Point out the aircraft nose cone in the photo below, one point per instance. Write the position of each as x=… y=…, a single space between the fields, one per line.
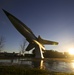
x=6 y=12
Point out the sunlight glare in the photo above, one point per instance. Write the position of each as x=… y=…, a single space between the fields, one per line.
x=71 y=51
x=73 y=65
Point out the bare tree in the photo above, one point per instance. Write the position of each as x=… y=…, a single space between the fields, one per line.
x=23 y=46
x=2 y=41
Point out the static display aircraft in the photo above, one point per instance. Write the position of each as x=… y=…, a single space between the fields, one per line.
x=34 y=42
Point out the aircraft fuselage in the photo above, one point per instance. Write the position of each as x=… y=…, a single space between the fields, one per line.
x=22 y=28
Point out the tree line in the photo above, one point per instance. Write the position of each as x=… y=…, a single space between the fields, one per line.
x=53 y=54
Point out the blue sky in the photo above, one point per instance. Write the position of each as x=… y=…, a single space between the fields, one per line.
x=51 y=19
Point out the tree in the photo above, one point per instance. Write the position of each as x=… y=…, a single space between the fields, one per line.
x=22 y=46
x=2 y=41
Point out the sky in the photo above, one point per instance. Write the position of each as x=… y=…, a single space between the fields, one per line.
x=51 y=19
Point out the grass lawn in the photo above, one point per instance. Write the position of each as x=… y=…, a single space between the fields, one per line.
x=22 y=70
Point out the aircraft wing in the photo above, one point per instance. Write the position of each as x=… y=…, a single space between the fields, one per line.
x=29 y=47
x=50 y=42
x=46 y=42
x=33 y=45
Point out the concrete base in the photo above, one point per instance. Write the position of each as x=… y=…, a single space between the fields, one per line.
x=38 y=52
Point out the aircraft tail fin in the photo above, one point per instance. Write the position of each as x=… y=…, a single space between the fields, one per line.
x=46 y=42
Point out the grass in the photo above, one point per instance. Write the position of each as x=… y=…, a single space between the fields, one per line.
x=22 y=70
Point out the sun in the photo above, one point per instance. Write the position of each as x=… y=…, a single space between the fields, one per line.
x=71 y=51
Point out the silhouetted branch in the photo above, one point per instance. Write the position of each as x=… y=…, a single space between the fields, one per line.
x=2 y=41
x=23 y=45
